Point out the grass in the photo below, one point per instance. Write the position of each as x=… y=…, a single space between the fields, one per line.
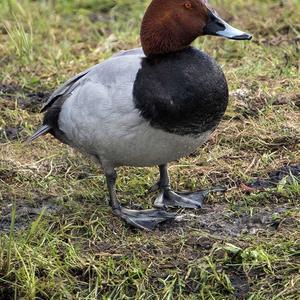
x=59 y=239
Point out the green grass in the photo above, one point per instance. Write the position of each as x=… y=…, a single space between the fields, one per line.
x=58 y=237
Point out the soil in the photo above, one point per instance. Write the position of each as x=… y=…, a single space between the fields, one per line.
x=240 y=283
x=25 y=213
x=217 y=219
x=220 y=221
x=276 y=176
x=216 y=222
x=10 y=133
x=26 y=99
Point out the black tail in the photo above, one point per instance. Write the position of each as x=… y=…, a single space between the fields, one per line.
x=41 y=131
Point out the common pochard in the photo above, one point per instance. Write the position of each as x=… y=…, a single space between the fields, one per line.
x=147 y=106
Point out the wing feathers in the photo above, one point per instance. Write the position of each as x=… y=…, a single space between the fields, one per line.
x=41 y=131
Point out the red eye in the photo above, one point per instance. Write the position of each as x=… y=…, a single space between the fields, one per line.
x=188 y=5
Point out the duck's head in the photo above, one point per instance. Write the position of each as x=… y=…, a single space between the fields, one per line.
x=172 y=25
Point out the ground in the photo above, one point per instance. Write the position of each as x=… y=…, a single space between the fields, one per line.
x=58 y=237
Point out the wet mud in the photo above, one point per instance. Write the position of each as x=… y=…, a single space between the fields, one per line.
x=275 y=177
x=215 y=222
x=219 y=219
x=26 y=99
x=25 y=213
x=10 y=133
x=222 y=220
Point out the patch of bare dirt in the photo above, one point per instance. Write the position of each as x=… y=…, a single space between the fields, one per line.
x=240 y=282
x=10 y=133
x=284 y=99
x=275 y=177
x=6 y=291
x=25 y=98
x=7 y=175
x=248 y=102
x=223 y=222
x=25 y=213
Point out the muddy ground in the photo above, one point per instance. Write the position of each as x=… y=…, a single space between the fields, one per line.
x=220 y=220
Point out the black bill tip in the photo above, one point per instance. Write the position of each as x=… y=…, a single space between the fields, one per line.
x=217 y=26
x=245 y=36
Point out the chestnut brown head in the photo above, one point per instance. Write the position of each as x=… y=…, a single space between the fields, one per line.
x=172 y=25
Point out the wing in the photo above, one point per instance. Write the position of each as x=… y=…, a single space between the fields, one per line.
x=53 y=106
x=70 y=85
x=66 y=88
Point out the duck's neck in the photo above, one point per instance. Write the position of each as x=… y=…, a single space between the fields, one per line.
x=159 y=39
x=161 y=33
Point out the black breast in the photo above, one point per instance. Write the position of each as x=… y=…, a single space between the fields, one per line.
x=184 y=92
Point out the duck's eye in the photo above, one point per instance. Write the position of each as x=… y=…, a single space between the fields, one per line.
x=188 y=5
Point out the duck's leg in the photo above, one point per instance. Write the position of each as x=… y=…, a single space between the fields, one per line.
x=168 y=198
x=144 y=219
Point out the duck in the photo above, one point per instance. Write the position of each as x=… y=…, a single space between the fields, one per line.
x=147 y=106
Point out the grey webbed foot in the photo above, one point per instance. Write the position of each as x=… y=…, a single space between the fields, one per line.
x=169 y=199
x=144 y=219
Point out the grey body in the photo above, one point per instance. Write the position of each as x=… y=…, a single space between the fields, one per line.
x=99 y=118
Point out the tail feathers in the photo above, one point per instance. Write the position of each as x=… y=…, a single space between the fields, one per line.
x=41 y=131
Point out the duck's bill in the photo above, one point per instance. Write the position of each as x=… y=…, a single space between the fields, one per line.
x=217 y=26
